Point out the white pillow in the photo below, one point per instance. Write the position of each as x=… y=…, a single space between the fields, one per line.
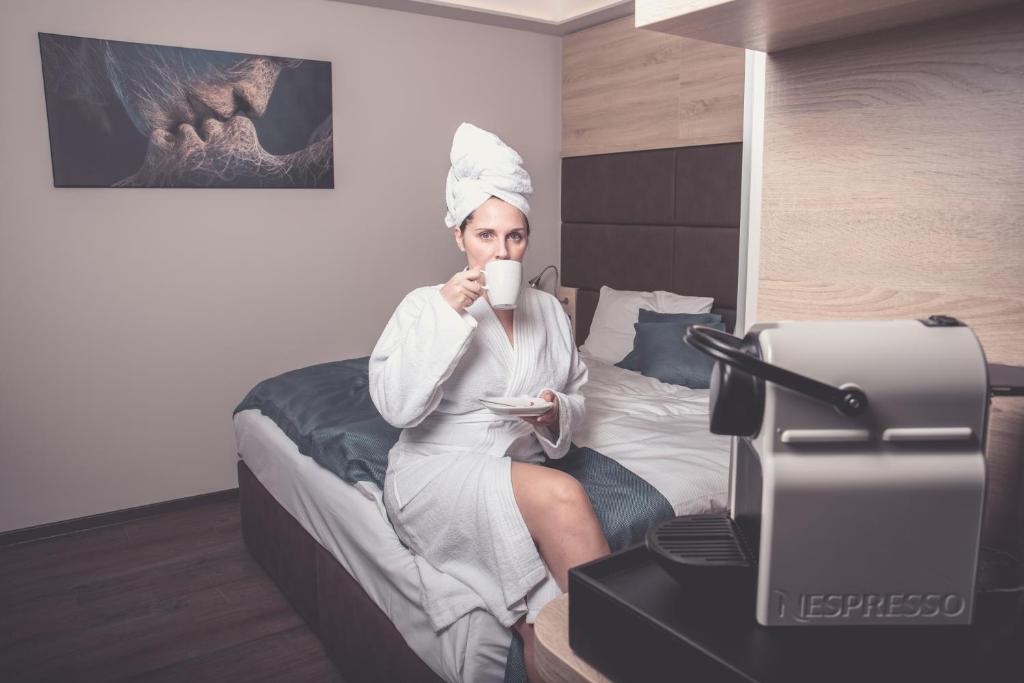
x=611 y=332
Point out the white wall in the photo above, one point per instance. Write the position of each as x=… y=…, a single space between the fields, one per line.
x=133 y=321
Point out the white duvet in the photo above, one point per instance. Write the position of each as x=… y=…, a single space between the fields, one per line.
x=658 y=431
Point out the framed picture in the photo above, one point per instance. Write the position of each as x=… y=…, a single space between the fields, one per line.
x=137 y=115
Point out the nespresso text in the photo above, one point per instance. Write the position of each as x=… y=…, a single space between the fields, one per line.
x=880 y=606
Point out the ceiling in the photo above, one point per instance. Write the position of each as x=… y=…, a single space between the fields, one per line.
x=553 y=17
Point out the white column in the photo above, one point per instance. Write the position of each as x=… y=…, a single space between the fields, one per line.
x=750 y=198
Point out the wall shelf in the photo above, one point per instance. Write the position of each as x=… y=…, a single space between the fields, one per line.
x=773 y=25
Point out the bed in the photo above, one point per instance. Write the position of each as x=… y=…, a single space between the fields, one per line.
x=327 y=543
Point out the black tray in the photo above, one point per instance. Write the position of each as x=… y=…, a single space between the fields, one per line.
x=633 y=622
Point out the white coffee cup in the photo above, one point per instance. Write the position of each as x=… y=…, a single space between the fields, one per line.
x=502 y=280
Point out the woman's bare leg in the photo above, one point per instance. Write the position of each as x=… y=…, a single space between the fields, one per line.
x=560 y=518
x=526 y=633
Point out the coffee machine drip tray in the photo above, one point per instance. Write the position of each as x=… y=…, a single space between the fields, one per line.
x=691 y=546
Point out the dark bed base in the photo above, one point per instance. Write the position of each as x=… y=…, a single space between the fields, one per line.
x=359 y=638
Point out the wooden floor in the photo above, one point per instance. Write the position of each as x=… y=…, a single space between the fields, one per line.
x=172 y=597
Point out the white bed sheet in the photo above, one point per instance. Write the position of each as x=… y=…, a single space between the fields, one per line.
x=658 y=431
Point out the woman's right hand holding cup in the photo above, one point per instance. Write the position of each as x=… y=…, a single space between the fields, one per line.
x=463 y=289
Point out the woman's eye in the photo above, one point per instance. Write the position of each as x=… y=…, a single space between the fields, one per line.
x=485 y=235
x=516 y=236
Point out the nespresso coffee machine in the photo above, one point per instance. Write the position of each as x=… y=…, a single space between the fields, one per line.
x=857 y=483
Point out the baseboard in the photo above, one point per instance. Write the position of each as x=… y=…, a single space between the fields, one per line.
x=72 y=526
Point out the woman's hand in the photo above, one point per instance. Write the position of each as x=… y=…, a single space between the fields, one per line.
x=463 y=289
x=548 y=419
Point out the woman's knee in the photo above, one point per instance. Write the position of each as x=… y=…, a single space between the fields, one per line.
x=566 y=491
x=545 y=495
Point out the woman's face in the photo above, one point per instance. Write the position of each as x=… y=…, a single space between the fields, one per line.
x=496 y=231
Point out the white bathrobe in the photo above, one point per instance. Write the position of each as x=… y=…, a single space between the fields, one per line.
x=448 y=489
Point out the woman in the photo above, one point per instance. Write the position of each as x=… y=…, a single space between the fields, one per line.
x=489 y=527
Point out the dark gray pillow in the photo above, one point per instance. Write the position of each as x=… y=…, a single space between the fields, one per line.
x=689 y=318
x=665 y=356
x=632 y=359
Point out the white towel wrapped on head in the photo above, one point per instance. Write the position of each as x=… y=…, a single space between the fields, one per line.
x=483 y=167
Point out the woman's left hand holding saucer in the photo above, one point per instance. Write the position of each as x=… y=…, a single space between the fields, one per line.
x=548 y=419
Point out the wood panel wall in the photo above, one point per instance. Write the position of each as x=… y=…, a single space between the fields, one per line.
x=894 y=188
x=626 y=89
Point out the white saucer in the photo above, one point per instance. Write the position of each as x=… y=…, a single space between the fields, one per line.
x=519 y=406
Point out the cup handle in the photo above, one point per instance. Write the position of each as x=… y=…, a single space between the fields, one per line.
x=483 y=285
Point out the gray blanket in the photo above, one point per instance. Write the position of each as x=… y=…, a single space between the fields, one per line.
x=326 y=410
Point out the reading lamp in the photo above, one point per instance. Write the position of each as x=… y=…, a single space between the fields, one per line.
x=535 y=280
x=564 y=300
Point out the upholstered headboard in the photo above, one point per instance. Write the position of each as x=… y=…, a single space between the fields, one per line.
x=665 y=219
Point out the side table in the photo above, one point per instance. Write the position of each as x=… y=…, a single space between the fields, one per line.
x=555 y=660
